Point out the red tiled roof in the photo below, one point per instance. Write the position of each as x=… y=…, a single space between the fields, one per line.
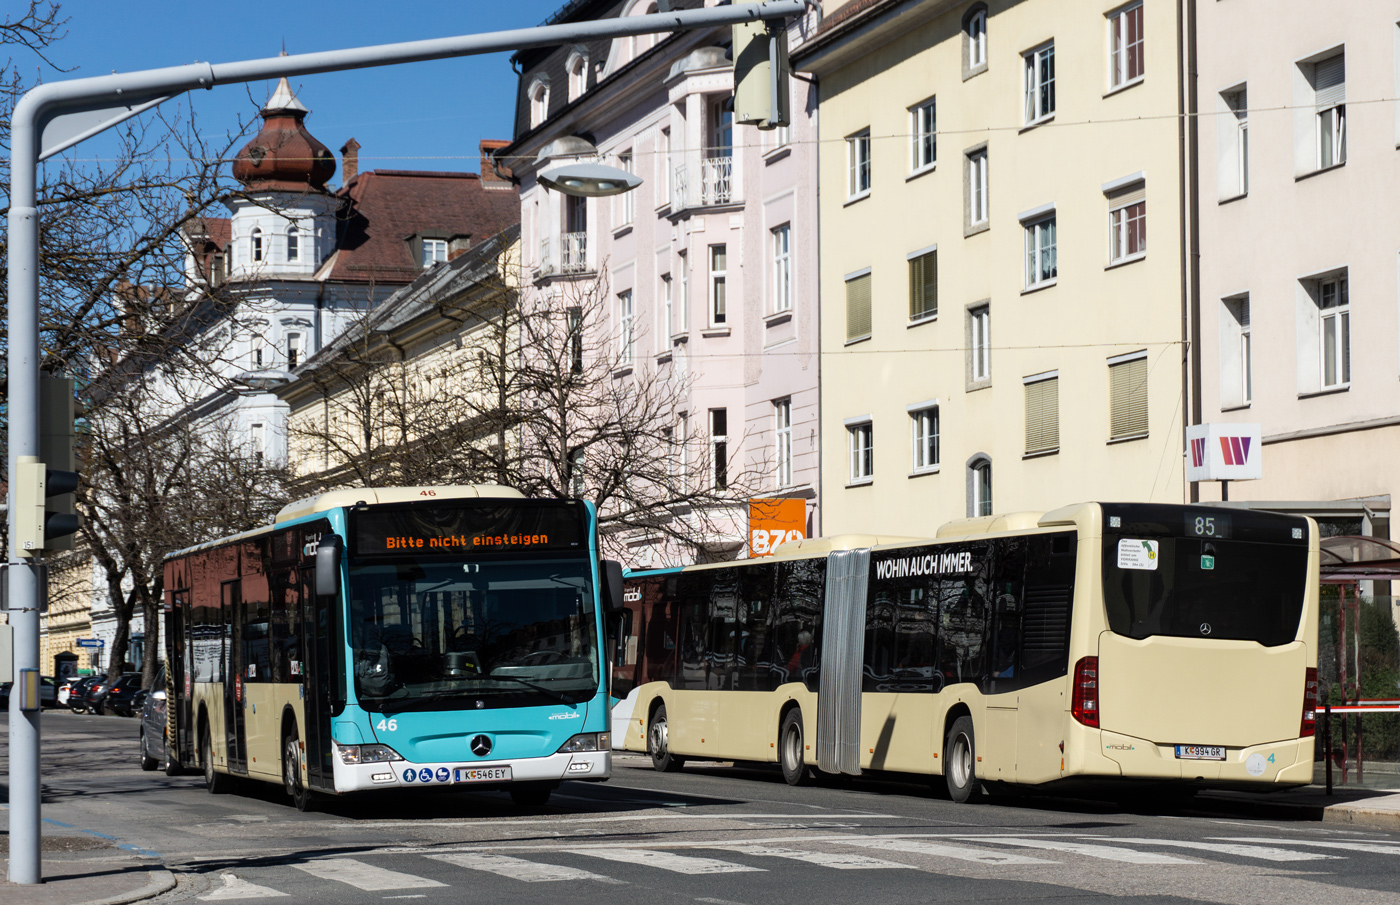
x=387 y=207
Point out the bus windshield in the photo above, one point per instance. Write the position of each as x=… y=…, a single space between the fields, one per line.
x=1198 y=588
x=431 y=634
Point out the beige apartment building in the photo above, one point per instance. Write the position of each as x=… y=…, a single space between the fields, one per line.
x=1001 y=329
x=1300 y=238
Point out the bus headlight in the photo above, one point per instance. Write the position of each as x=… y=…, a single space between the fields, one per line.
x=367 y=754
x=587 y=741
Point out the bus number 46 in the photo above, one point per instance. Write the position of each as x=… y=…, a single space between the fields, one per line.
x=765 y=541
x=387 y=725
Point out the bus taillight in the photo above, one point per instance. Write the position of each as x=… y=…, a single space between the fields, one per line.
x=1309 y=727
x=1085 y=705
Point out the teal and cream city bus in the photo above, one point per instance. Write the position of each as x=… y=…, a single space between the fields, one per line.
x=1158 y=647
x=395 y=638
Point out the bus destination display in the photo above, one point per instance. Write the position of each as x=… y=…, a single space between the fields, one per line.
x=416 y=530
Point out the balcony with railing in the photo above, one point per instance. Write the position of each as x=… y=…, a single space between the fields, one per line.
x=574 y=258
x=716 y=183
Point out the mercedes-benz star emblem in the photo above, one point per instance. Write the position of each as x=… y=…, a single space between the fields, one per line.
x=481 y=746
x=1205 y=628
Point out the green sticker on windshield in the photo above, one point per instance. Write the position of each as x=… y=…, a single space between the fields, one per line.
x=1207 y=562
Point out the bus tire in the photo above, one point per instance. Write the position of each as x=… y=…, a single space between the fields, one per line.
x=531 y=794
x=301 y=796
x=148 y=763
x=960 y=760
x=791 y=747
x=662 y=760
x=217 y=783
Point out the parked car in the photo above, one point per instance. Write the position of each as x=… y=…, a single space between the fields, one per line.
x=99 y=693
x=152 y=730
x=118 y=699
x=138 y=701
x=77 y=692
x=48 y=693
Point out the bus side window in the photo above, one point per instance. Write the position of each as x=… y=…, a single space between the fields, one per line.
x=797 y=605
x=755 y=654
x=962 y=630
x=694 y=593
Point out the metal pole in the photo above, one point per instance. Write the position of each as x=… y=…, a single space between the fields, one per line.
x=44 y=104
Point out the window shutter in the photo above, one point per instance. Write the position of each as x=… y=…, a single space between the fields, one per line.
x=858 y=307
x=1329 y=80
x=1130 y=195
x=1127 y=402
x=1043 y=415
x=923 y=286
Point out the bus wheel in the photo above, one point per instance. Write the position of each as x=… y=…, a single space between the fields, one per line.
x=662 y=759
x=959 y=758
x=217 y=783
x=532 y=794
x=790 y=748
x=148 y=763
x=291 y=773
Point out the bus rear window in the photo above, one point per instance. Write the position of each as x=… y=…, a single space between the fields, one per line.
x=1199 y=588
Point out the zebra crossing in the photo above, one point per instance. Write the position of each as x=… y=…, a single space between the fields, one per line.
x=1011 y=855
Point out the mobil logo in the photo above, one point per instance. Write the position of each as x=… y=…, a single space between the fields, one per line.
x=1235 y=449
x=1223 y=452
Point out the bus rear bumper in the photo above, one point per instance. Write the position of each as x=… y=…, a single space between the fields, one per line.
x=1283 y=763
x=590 y=766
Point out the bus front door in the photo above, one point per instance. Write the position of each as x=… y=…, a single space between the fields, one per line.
x=179 y=722
x=235 y=674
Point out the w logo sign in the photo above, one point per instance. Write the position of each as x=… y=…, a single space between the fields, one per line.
x=1198 y=452
x=1234 y=449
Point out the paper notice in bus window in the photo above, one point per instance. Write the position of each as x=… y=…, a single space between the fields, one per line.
x=1137 y=554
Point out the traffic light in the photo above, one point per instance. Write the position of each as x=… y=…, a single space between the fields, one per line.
x=35 y=527
x=761 y=70
x=56 y=449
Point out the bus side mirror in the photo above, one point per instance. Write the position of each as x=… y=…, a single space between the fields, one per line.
x=612 y=585
x=328 y=566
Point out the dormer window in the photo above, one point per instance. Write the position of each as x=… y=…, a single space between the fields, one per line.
x=434 y=252
x=539 y=101
x=293 y=243
x=578 y=74
x=257 y=244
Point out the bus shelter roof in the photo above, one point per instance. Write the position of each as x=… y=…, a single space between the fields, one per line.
x=1350 y=558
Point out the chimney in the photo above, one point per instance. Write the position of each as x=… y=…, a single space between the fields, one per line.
x=350 y=152
x=493 y=176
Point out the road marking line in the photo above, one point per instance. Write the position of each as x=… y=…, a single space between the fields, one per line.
x=519 y=868
x=681 y=864
x=942 y=850
x=1358 y=846
x=237 y=888
x=1263 y=852
x=569 y=818
x=1089 y=850
x=364 y=876
x=838 y=860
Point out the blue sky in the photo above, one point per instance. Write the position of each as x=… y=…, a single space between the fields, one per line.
x=425 y=116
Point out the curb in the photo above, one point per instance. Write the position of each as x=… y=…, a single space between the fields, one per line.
x=1355 y=815
x=161 y=881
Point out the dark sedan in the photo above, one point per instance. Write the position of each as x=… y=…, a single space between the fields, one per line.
x=120 y=697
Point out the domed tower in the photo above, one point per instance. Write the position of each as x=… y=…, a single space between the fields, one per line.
x=284 y=227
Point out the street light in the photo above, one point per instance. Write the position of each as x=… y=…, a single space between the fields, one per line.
x=580 y=179
x=264 y=380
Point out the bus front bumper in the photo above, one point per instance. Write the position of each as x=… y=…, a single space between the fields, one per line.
x=589 y=766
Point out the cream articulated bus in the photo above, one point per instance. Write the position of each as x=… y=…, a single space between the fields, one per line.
x=1171 y=647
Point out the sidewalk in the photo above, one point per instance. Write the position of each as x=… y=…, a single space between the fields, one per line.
x=1375 y=802
x=82 y=870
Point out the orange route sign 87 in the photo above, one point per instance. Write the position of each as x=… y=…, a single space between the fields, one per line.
x=773 y=522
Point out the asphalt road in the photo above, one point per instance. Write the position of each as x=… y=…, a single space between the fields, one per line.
x=718 y=835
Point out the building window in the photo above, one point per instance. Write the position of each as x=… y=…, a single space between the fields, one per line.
x=1335 y=332
x=1125 y=59
x=782 y=268
x=1042 y=413
x=684 y=325
x=1236 y=353
x=683 y=441
x=259 y=438
x=293 y=243
x=979 y=486
x=1040 y=84
x=923 y=151
x=858 y=306
x=434 y=251
x=539 y=102
x=668 y=323
x=858 y=164
x=975 y=41
x=257 y=244
x=257 y=354
x=574 y=320
x=923 y=285
x=977 y=188
x=578 y=75
x=860 y=444
x=1041 y=264
x=980 y=342
x=576 y=463
x=294 y=350
x=719 y=312
x=627 y=201
x=1127 y=396
x=719 y=446
x=782 y=428
x=721 y=128
x=1330 y=96
x=1233 y=133
x=1127 y=222
x=625 y=327
x=663 y=162
x=923 y=422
